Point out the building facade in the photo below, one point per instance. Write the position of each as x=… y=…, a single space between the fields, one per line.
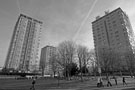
x=45 y=59
x=23 y=50
x=113 y=31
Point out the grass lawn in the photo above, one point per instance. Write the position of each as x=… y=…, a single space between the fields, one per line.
x=41 y=84
x=52 y=83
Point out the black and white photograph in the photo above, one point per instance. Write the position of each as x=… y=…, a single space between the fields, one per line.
x=67 y=44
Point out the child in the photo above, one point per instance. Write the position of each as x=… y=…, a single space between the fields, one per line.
x=124 y=82
x=115 y=80
x=100 y=83
x=33 y=84
x=108 y=82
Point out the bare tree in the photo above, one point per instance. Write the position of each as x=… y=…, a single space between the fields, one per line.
x=115 y=61
x=54 y=63
x=66 y=52
x=110 y=60
x=104 y=56
x=83 y=56
x=107 y=59
x=93 y=61
x=130 y=62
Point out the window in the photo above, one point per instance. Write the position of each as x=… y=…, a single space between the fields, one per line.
x=117 y=39
x=110 y=26
x=116 y=32
x=111 y=33
x=114 y=22
x=121 y=21
x=114 y=25
x=117 y=35
x=99 y=38
x=109 y=23
x=99 y=35
x=107 y=17
x=97 y=28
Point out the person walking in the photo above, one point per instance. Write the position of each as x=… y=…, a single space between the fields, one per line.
x=100 y=82
x=115 y=80
x=124 y=82
x=33 y=84
x=108 y=82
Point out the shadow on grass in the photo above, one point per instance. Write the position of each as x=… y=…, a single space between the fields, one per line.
x=13 y=89
x=129 y=89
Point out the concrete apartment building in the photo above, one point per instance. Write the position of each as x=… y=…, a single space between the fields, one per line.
x=113 y=31
x=46 y=53
x=23 y=50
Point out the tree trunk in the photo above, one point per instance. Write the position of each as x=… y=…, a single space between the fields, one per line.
x=120 y=73
x=81 y=75
x=106 y=75
x=67 y=74
x=54 y=73
x=42 y=71
x=131 y=74
x=58 y=78
x=95 y=74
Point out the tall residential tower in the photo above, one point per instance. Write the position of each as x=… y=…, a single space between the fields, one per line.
x=23 y=50
x=46 y=59
x=113 y=31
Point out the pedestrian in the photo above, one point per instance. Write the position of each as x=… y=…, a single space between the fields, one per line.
x=124 y=82
x=33 y=84
x=98 y=82
x=108 y=82
x=101 y=83
x=115 y=80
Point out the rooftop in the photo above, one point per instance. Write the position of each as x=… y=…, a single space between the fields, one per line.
x=31 y=18
x=107 y=14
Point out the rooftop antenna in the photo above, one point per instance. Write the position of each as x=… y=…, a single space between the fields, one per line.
x=106 y=12
x=19 y=8
x=18 y=5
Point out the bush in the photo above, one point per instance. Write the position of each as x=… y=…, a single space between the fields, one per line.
x=71 y=69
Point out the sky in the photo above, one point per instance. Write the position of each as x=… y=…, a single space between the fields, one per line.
x=62 y=19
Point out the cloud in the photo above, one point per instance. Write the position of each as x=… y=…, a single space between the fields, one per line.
x=62 y=19
x=85 y=19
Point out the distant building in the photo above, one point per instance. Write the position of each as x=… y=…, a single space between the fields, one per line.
x=1 y=69
x=114 y=32
x=45 y=60
x=23 y=50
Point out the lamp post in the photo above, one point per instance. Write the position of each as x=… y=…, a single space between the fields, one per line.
x=99 y=68
x=58 y=77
